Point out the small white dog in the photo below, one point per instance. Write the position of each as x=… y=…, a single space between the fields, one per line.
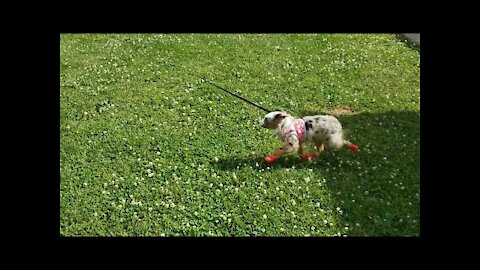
x=324 y=130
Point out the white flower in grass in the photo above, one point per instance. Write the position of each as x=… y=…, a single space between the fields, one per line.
x=264 y=216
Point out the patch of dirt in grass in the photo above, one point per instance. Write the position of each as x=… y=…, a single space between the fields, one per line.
x=340 y=110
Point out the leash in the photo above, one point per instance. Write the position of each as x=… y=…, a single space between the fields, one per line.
x=237 y=96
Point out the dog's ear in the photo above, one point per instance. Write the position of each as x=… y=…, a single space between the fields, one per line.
x=280 y=116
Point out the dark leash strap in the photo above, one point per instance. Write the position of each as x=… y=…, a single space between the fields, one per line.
x=236 y=95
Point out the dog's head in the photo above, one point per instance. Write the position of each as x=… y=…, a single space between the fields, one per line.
x=273 y=119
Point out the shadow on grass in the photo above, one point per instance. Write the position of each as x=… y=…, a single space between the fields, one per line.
x=378 y=189
x=286 y=161
x=409 y=43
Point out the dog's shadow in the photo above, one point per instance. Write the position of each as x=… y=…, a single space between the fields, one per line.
x=286 y=161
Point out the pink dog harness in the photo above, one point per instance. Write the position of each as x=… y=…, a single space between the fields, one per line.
x=298 y=130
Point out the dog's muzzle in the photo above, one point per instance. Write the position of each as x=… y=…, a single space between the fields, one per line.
x=261 y=123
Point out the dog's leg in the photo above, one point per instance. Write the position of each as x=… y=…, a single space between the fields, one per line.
x=320 y=148
x=276 y=155
x=290 y=146
x=311 y=156
x=301 y=150
x=280 y=152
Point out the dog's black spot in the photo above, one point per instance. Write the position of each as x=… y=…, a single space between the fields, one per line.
x=308 y=125
x=290 y=144
x=317 y=132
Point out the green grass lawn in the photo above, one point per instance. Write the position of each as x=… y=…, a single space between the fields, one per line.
x=148 y=149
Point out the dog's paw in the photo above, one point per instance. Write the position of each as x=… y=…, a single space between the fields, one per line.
x=270 y=159
x=353 y=148
x=309 y=156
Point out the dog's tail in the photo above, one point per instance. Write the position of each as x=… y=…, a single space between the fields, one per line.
x=351 y=146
